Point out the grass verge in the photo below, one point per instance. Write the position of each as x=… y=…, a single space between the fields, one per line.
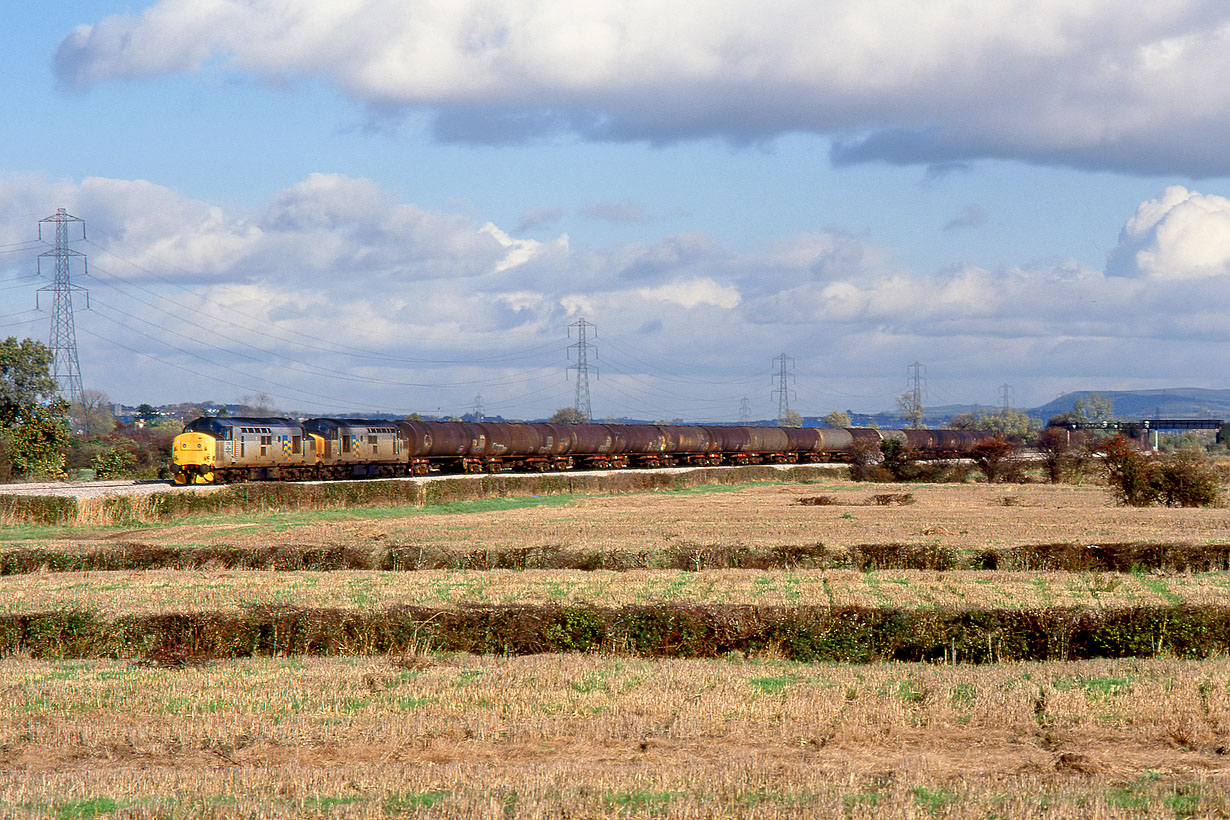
x=124 y=510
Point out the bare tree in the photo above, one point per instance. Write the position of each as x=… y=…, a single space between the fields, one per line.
x=92 y=418
x=260 y=404
x=911 y=409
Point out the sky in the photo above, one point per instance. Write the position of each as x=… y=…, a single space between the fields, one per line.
x=362 y=206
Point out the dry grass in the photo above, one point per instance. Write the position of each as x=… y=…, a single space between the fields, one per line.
x=555 y=736
x=160 y=592
x=602 y=736
x=959 y=517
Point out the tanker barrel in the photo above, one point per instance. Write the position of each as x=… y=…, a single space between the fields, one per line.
x=590 y=439
x=837 y=440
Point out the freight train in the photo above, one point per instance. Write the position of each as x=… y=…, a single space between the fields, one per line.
x=223 y=450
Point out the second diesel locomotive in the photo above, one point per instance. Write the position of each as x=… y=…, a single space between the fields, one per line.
x=228 y=449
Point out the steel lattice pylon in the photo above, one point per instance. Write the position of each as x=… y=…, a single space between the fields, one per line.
x=582 y=347
x=65 y=367
x=784 y=376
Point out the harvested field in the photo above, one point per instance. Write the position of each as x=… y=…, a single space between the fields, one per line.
x=755 y=526
x=405 y=659
x=162 y=592
x=603 y=736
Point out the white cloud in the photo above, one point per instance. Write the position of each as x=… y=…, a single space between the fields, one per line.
x=519 y=251
x=694 y=292
x=1179 y=235
x=337 y=290
x=1131 y=84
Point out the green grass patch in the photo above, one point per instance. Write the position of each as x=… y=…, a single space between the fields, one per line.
x=403 y=802
x=933 y=801
x=1097 y=688
x=306 y=518
x=88 y=807
x=324 y=803
x=773 y=685
x=640 y=801
x=963 y=695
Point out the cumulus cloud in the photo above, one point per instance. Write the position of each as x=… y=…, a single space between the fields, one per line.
x=1179 y=235
x=336 y=293
x=694 y=292
x=1134 y=85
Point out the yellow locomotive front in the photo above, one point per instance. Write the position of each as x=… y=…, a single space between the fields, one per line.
x=194 y=456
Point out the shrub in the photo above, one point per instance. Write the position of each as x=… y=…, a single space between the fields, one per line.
x=1185 y=478
x=34 y=444
x=1132 y=475
x=118 y=460
x=996 y=458
x=864 y=462
x=1054 y=444
x=899 y=459
x=870 y=472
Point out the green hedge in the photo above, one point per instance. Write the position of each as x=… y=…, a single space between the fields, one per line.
x=848 y=634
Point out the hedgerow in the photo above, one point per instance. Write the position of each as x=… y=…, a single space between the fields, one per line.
x=1065 y=557
x=847 y=634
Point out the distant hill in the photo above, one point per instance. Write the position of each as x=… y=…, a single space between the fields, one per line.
x=1176 y=402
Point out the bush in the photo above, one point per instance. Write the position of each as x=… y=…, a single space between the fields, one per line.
x=899 y=458
x=870 y=472
x=1130 y=473
x=996 y=458
x=118 y=460
x=1184 y=478
x=34 y=444
x=1065 y=456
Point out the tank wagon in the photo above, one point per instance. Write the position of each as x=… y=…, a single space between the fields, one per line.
x=224 y=450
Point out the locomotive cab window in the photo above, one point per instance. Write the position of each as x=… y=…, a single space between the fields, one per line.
x=296 y=444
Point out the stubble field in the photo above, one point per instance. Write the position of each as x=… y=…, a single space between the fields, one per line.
x=404 y=661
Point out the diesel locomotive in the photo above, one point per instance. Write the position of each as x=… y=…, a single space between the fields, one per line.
x=222 y=450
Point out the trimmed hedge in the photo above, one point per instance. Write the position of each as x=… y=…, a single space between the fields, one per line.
x=850 y=634
x=1065 y=557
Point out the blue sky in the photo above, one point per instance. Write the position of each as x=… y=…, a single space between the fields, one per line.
x=398 y=206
